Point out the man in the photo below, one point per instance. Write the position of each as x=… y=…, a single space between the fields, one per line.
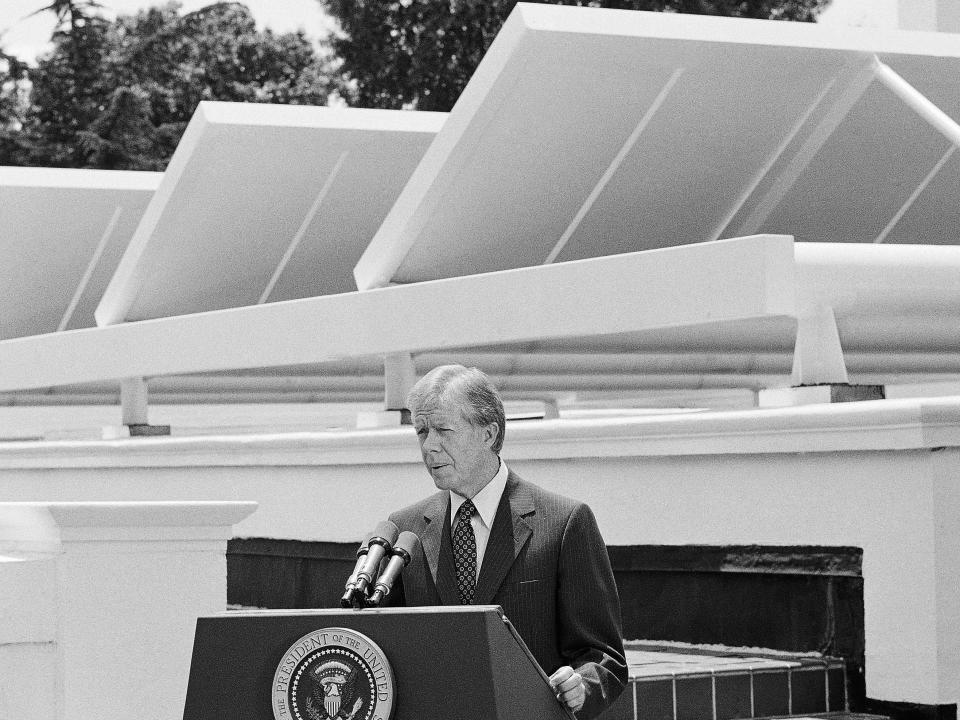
x=490 y=537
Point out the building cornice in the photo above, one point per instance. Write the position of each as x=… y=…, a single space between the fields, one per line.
x=848 y=427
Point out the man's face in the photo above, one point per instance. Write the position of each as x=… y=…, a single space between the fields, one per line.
x=456 y=453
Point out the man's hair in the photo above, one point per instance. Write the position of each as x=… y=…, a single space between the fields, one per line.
x=479 y=400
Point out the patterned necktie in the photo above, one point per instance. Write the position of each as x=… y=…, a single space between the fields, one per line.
x=465 y=553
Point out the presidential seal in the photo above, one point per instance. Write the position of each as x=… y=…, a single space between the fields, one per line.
x=333 y=674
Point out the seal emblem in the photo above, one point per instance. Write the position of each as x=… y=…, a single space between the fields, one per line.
x=333 y=674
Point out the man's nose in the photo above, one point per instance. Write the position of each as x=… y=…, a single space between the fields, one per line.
x=430 y=442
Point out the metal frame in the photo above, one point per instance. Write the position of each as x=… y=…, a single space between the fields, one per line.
x=627 y=293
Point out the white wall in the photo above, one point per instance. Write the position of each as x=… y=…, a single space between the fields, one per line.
x=99 y=602
x=878 y=475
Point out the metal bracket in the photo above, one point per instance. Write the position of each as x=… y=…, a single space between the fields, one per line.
x=133 y=401
x=399 y=376
x=817 y=354
x=133 y=409
x=917 y=101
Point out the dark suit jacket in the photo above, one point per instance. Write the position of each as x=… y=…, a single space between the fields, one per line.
x=546 y=565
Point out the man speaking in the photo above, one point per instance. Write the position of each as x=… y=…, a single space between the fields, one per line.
x=491 y=538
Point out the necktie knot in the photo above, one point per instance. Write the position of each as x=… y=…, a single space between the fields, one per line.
x=467 y=509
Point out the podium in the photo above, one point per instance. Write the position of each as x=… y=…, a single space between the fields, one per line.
x=426 y=663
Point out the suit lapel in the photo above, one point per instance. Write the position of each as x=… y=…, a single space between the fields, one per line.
x=508 y=535
x=438 y=548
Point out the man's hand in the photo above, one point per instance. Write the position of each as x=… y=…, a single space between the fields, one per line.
x=569 y=687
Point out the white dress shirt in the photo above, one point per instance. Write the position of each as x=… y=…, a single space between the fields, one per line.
x=486 y=502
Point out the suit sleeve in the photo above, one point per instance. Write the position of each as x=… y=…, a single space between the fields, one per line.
x=588 y=613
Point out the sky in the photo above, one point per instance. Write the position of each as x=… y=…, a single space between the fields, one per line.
x=26 y=37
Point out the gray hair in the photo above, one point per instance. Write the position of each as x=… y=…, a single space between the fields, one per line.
x=479 y=400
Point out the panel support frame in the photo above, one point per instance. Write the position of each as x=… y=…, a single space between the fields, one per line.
x=399 y=377
x=133 y=401
x=501 y=308
x=917 y=101
x=818 y=354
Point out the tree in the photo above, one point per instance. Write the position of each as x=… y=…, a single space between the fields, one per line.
x=119 y=94
x=123 y=137
x=67 y=93
x=13 y=76
x=72 y=12
x=421 y=53
x=13 y=105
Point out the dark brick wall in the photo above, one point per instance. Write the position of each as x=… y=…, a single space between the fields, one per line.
x=797 y=599
x=282 y=574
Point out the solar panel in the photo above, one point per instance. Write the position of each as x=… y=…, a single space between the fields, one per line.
x=62 y=233
x=263 y=203
x=589 y=132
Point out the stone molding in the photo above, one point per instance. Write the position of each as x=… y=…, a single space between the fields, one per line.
x=43 y=527
x=847 y=427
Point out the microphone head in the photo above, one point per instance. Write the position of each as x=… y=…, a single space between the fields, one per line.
x=407 y=544
x=386 y=532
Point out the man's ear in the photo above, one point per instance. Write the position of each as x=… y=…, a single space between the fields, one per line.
x=490 y=432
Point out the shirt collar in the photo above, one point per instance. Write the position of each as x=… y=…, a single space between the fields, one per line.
x=487 y=500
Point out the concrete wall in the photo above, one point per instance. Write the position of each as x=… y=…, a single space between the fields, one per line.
x=98 y=604
x=877 y=475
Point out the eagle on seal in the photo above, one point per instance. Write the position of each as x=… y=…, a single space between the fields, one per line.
x=351 y=702
x=336 y=692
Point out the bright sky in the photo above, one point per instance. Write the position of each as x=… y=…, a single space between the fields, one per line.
x=26 y=37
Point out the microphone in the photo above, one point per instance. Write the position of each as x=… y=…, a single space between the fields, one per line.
x=407 y=544
x=381 y=542
x=346 y=600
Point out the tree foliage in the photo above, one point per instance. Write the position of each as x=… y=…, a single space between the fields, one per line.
x=14 y=90
x=421 y=53
x=118 y=94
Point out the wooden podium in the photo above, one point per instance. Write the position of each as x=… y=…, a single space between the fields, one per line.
x=457 y=663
